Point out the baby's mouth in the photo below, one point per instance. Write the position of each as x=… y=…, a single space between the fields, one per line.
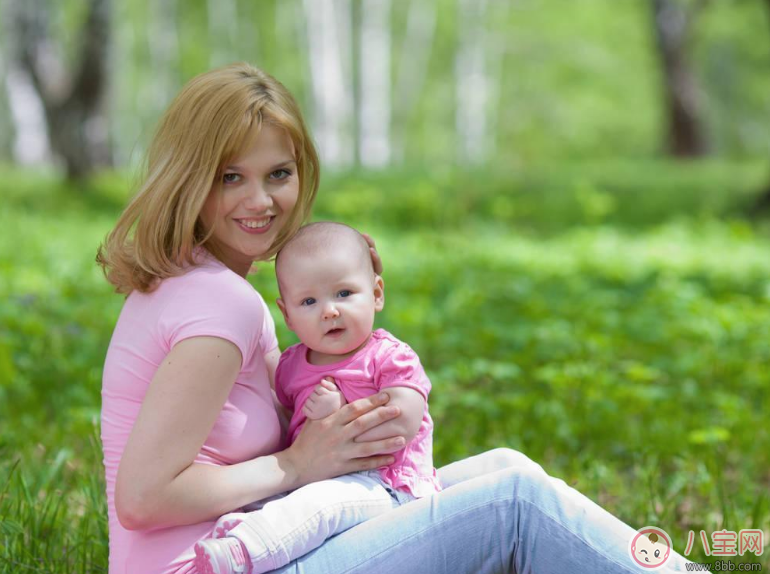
x=335 y=332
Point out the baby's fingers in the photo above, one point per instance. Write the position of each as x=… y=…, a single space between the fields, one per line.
x=327 y=383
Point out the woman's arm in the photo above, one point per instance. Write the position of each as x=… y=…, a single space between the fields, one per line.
x=159 y=485
x=284 y=414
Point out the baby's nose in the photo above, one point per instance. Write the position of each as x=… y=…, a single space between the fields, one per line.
x=330 y=311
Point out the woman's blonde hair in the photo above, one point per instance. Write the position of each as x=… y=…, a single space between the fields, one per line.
x=212 y=120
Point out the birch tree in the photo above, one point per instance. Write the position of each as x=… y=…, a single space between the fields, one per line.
x=223 y=26
x=375 y=86
x=73 y=100
x=328 y=26
x=763 y=203
x=472 y=84
x=163 y=44
x=30 y=144
x=412 y=69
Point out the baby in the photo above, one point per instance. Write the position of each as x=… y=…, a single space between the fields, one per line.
x=329 y=297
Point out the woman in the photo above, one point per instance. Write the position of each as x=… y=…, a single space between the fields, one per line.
x=189 y=425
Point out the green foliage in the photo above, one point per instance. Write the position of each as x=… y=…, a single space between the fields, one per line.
x=608 y=320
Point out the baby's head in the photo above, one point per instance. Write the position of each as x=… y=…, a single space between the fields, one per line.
x=329 y=290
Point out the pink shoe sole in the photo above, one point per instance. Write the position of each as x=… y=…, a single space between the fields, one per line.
x=202 y=561
x=211 y=558
x=223 y=527
x=221 y=530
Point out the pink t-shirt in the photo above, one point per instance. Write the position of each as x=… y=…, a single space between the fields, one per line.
x=208 y=300
x=384 y=362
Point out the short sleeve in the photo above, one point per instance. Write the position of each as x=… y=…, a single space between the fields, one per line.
x=267 y=339
x=401 y=367
x=213 y=305
x=280 y=379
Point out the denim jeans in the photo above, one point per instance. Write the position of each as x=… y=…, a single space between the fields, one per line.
x=500 y=513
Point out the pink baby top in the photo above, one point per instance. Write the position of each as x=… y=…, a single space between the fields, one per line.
x=383 y=362
x=208 y=300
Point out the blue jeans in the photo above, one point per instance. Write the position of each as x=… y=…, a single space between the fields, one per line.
x=500 y=513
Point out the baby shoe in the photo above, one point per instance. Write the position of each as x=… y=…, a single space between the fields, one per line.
x=221 y=556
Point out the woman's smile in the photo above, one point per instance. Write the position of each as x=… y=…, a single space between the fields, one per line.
x=256 y=226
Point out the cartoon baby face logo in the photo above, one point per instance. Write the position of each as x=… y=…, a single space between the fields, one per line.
x=650 y=547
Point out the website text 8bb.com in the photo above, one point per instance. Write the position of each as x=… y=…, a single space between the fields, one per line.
x=723 y=566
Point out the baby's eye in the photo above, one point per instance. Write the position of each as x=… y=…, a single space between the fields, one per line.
x=344 y=293
x=231 y=178
x=280 y=174
x=307 y=302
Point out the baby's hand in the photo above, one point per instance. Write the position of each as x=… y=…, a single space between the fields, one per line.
x=325 y=399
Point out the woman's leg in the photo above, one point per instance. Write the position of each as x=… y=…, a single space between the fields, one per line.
x=484 y=463
x=515 y=520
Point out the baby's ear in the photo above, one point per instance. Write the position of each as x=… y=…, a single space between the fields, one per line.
x=379 y=293
x=282 y=307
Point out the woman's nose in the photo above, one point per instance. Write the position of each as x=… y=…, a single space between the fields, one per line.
x=258 y=198
x=330 y=311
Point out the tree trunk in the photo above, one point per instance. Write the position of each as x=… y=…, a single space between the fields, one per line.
x=412 y=69
x=685 y=133
x=31 y=145
x=763 y=203
x=73 y=101
x=374 y=75
x=223 y=27
x=163 y=44
x=329 y=42
x=471 y=82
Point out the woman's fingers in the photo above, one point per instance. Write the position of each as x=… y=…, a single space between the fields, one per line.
x=379 y=447
x=355 y=410
x=376 y=261
x=370 y=463
x=370 y=420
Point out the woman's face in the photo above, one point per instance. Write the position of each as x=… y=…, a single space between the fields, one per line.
x=258 y=193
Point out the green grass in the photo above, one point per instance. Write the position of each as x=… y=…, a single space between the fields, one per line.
x=611 y=321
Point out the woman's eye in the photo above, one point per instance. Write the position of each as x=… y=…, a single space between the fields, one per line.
x=280 y=174
x=344 y=293
x=231 y=177
x=308 y=301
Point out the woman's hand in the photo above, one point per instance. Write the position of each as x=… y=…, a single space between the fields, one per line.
x=327 y=447
x=376 y=261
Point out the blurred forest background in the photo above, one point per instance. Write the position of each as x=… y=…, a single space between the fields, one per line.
x=569 y=199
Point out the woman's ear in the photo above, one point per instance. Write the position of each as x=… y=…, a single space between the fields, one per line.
x=285 y=314
x=379 y=293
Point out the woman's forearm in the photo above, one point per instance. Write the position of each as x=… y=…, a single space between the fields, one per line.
x=204 y=492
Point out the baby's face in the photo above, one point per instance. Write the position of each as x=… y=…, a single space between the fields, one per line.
x=329 y=301
x=648 y=553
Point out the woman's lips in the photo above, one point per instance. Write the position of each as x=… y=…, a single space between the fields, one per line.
x=255 y=230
